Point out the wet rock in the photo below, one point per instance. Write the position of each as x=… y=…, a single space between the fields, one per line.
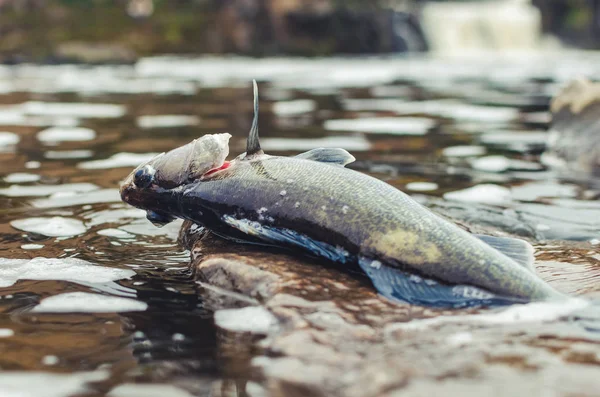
x=334 y=336
x=574 y=142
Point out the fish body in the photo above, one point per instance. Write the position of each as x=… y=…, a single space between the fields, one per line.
x=311 y=202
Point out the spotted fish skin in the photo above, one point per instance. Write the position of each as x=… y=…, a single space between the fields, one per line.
x=360 y=214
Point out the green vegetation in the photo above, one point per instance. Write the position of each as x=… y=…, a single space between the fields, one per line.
x=39 y=33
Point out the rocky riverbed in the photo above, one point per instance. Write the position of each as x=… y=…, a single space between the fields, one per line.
x=310 y=329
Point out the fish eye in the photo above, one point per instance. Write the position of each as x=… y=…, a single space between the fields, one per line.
x=143 y=177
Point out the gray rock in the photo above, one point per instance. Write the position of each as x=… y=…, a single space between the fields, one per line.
x=574 y=141
x=334 y=336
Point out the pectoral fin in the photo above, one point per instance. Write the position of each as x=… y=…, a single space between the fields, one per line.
x=159 y=219
x=518 y=250
x=399 y=285
x=328 y=155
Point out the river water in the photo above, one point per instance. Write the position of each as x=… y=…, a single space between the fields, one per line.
x=94 y=298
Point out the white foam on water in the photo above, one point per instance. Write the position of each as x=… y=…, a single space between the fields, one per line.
x=6 y=332
x=83 y=110
x=460 y=339
x=46 y=190
x=46 y=384
x=21 y=177
x=421 y=186
x=351 y=143
x=294 y=107
x=383 y=125
x=147 y=390
x=464 y=151
x=52 y=227
x=12 y=115
x=253 y=319
x=64 y=134
x=372 y=104
x=491 y=164
x=536 y=312
x=534 y=190
x=515 y=140
x=66 y=269
x=117 y=233
x=485 y=194
x=145 y=228
x=502 y=164
x=85 y=302
x=68 y=154
x=452 y=109
x=32 y=246
x=167 y=121
x=118 y=160
x=50 y=360
x=118 y=215
x=33 y=164
x=393 y=91
x=68 y=199
x=8 y=140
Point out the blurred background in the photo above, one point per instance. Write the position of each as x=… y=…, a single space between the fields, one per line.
x=123 y=30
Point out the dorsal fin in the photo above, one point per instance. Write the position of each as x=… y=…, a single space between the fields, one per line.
x=518 y=250
x=253 y=144
x=328 y=155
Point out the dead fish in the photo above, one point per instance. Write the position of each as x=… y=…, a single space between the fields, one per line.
x=313 y=203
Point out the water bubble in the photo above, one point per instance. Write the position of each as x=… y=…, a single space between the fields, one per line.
x=6 y=332
x=375 y=264
x=33 y=164
x=52 y=227
x=50 y=360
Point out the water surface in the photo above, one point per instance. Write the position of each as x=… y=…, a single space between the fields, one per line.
x=114 y=301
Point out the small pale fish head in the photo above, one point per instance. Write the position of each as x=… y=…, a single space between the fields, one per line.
x=152 y=186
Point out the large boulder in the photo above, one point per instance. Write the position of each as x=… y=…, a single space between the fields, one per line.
x=574 y=141
x=301 y=327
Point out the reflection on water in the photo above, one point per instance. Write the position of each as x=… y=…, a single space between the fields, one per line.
x=115 y=301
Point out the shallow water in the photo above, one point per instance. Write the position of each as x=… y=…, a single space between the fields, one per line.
x=469 y=131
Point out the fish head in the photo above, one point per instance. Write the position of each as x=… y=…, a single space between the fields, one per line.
x=153 y=185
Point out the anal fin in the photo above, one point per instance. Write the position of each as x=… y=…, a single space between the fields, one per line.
x=518 y=250
x=328 y=155
x=399 y=285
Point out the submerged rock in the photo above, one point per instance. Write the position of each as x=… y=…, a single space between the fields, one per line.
x=324 y=331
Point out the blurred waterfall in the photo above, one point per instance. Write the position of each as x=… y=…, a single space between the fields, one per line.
x=455 y=26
